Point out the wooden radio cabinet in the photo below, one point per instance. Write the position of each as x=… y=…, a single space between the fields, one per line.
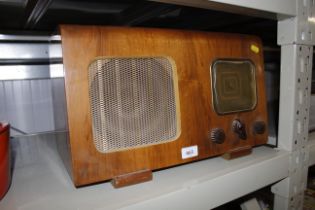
x=141 y=99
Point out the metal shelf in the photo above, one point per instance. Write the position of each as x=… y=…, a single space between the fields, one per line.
x=277 y=9
x=40 y=181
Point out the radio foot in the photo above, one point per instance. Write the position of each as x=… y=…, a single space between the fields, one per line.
x=238 y=152
x=132 y=178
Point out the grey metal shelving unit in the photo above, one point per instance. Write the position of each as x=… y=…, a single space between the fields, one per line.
x=44 y=184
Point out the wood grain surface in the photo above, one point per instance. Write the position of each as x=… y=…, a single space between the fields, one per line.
x=193 y=53
x=132 y=178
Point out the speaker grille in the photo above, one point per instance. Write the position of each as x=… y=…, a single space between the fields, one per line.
x=133 y=102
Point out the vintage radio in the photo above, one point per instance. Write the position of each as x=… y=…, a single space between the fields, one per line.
x=142 y=99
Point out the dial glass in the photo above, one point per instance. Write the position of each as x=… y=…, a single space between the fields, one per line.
x=233 y=86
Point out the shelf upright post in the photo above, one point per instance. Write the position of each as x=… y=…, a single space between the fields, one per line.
x=296 y=36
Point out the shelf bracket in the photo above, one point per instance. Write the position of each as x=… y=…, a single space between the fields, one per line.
x=296 y=37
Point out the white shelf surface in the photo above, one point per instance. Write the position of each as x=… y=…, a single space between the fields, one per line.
x=43 y=183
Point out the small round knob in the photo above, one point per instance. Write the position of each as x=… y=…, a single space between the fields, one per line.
x=259 y=127
x=217 y=135
x=239 y=129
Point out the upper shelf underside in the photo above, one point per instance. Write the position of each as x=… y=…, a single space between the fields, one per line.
x=45 y=15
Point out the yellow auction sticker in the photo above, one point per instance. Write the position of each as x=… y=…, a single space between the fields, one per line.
x=254 y=48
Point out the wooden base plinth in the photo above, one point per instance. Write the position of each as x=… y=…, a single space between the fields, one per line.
x=238 y=152
x=132 y=178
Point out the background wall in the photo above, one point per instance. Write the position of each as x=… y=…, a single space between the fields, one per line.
x=28 y=105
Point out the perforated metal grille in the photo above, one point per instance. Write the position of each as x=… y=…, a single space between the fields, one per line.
x=133 y=102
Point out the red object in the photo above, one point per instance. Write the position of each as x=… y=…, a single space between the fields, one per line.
x=5 y=173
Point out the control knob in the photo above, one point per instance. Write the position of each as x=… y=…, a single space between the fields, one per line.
x=259 y=127
x=217 y=135
x=239 y=129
